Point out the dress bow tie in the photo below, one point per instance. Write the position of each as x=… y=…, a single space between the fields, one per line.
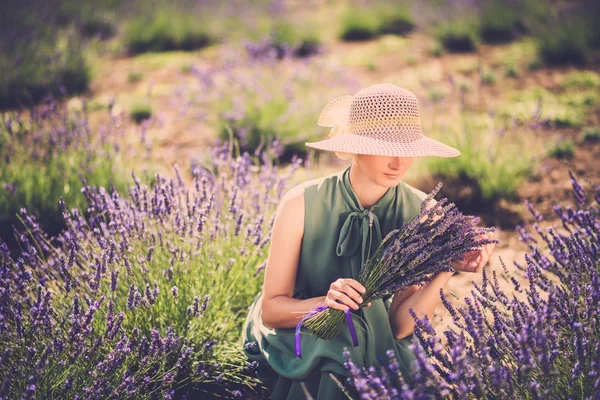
x=358 y=228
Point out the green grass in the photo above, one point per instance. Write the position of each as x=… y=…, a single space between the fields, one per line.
x=565 y=110
x=581 y=80
x=259 y=125
x=492 y=159
x=591 y=134
x=458 y=36
x=511 y=71
x=369 y=22
x=134 y=76
x=35 y=70
x=498 y=22
x=304 y=40
x=435 y=95
x=166 y=31
x=487 y=76
x=437 y=50
x=96 y=26
x=563 y=43
x=186 y=68
x=371 y=65
x=535 y=64
x=359 y=24
x=562 y=149
x=395 y=19
x=140 y=112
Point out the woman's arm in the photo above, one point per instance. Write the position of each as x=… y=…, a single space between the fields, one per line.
x=422 y=300
x=279 y=309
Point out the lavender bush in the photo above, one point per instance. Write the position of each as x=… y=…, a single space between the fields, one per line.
x=542 y=342
x=145 y=298
x=43 y=152
x=286 y=40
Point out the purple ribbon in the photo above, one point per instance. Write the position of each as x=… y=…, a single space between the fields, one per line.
x=318 y=310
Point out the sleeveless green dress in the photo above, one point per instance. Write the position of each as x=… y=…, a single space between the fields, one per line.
x=339 y=234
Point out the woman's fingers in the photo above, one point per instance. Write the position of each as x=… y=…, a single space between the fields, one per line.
x=335 y=305
x=356 y=285
x=343 y=297
x=338 y=305
x=350 y=288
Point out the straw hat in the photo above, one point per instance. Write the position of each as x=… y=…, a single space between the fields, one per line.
x=382 y=119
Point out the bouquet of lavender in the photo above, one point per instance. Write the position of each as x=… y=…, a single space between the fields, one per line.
x=436 y=236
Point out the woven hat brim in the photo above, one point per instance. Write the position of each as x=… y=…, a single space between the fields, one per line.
x=358 y=144
x=335 y=112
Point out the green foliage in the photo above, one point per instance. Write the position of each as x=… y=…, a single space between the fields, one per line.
x=437 y=50
x=591 y=134
x=140 y=111
x=464 y=86
x=487 y=76
x=498 y=22
x=368 y=22
x=32 y=71
x=581 y=80
x=562 y=149
x=534 y=64
x=491 y=158
x=564 y=110
x=164 y=31
x=186 y=68
x=134 y=76
x=563 y=42
x=259 y=125
x=38 y=169
x=459 y=36
x=371 y=65
x=510 y=71
x=359 y=24
x=96 y=26
x=303 y=41
x=395 y=19
x=435 y=95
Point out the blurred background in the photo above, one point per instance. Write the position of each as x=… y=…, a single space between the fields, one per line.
x=100 y=89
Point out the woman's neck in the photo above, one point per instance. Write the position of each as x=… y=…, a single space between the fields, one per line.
x=367 y=191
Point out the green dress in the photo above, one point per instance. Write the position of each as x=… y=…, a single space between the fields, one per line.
x=339 y=234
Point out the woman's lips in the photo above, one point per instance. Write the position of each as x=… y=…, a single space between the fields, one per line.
x=392 y=176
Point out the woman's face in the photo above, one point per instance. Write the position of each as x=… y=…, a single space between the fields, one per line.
x=384 y=170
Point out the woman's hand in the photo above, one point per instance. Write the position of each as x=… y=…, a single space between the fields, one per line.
x=345 y=293
x=474 y=261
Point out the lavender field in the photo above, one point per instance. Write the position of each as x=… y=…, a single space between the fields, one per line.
x=145 y=147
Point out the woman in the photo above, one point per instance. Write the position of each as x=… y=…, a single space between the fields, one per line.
x=323 y=232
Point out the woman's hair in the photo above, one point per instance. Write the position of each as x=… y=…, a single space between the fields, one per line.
x=345 y=156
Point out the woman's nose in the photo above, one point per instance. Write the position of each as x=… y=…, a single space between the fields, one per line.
x=395 y=162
